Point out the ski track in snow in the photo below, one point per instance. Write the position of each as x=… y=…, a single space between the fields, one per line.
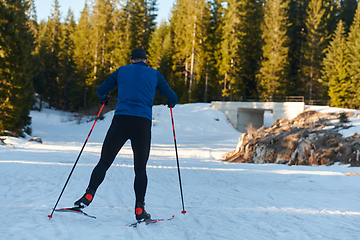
x=222 y=200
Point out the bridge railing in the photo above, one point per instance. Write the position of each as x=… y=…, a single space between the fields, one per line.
x=317 y=102
x=259 y=99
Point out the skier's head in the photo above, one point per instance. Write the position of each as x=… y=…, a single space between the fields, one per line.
x=138 y=55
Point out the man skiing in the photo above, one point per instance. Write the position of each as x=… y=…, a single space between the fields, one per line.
x=136 y=84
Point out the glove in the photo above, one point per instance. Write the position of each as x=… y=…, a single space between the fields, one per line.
x=105 y=101
x=168 y=104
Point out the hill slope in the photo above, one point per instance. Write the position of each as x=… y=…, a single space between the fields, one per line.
x=223 y=200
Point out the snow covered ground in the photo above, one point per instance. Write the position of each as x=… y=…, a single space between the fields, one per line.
x=222 y=200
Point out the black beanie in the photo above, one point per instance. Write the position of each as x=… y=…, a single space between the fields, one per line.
x=138 y=53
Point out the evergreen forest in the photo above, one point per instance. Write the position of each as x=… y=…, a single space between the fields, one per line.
x=234 y=50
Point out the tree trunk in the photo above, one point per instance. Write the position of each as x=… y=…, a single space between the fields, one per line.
x=192 y=54
x=96 y=54
x=224 y=86
x=206 y=81
x=103 y=51
x=86 y=67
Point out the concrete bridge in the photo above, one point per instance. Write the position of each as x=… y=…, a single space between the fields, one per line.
x=241 y=114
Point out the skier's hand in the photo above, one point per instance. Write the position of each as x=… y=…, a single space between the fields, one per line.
x=168 y=104
x=105 y=101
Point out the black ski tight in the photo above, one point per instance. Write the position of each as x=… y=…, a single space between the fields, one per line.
x=123 y=128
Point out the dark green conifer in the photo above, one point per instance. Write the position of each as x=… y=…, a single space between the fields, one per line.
x=335 y=75
x=353 y=67
x=314 y=46
x=16 y=64
x=274 y=66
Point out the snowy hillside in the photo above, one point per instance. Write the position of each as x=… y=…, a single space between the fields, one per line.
x=222 y=200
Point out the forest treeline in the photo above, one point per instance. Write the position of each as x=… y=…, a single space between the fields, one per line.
x=207 y=50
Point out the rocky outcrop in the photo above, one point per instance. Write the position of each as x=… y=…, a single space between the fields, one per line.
x=312 y=138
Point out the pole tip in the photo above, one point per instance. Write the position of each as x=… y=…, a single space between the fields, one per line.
x=50 y=216
x=183 y=212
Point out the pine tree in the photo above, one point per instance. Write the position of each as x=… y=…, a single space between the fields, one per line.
x=313 y=48
x=186 y=28
x=101 y=19
x=347 y=12
x=140 y=23
x=33 y=25
x=159 y=54
x=35 y=30
x=182 y=47
x=335 y=75
x=273 y=72
x=123 y=36
x=195 y=20
x=149 y=22
x=160 y=49
x=213 y=48
x=331 y=18
x=202 y=54
x=209 y=52
x=112 y=39
x=251 y=51
x=353 y=68
x=231 y=44
x=49 y=50
x=297 y=33
x=66 y=59
x=82 y=58
x=16 y=63
x=41 y=57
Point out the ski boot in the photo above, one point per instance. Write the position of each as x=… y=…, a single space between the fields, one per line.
x=140 y=212
x=85 y=200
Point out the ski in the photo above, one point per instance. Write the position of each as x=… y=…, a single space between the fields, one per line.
x=74 y=210
x=149 y=221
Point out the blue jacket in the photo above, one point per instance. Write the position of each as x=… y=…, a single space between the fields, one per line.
x=137 y=84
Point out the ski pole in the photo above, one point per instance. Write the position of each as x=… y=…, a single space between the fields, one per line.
x=177 y=161
x=72 y=170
